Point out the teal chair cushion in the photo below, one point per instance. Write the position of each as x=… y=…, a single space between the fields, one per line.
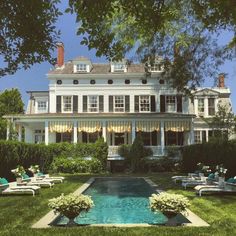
x=231 y=180
x=40 y=174
x=25 y=176
x=3 y=181
x=211 y=176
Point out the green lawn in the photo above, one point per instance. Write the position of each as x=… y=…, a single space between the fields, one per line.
x=18 y=213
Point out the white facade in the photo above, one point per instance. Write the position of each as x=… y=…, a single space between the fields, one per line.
x=117 y=101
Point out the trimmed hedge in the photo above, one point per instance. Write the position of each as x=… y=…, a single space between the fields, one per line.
x=210 y=154
x=13 y=153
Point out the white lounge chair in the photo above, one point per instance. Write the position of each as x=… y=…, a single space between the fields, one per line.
x=41 y=183
x=194 y=182
x=200 y=189
x=6 y=189
x=55 y=179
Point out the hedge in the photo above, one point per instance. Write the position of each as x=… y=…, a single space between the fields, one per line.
x=210 y=154
x=13 y=153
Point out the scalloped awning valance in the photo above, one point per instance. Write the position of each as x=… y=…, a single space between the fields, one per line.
x=147 y=126
x=60 y=126
x=89 y=126
x=177 y=126
x=119 y=126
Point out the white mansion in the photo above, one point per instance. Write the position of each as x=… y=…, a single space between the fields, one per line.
x=116 y=101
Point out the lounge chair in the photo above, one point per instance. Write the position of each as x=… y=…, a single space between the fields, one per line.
x=194 y=182
x=190 y=176
x=6 y=189
x=200 y=189
x=32 y=181
x=55 y=179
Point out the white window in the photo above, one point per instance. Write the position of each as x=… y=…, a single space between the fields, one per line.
x=81 y=68
x=119 y=104
x=144 y=103
x=170 y=103
x=67 y=104
x=197 y=136
x=39 y=136
x=119 y=67
x=201 y=105
x=93 y=103
x=42 y=106
x=156 y=67
x=211 y=106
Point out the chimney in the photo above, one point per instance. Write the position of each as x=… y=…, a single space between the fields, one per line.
x=221 y=81
x=60 y=54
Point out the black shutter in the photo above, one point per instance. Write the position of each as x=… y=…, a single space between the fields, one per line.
x=75 y=104
x=110 y=103
x=101 y=103
x=58 y=104
x=136 y=103
x=85 y=104
x=179 y=103
x=154 y=138
x=58 y=137
x=153 y=103
x=162 y=103
x=127 y=104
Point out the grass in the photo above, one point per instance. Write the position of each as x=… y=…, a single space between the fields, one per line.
x=18 y=213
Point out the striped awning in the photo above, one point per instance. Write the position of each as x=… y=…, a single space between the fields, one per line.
x=60 y=126
x=177 y=126
x=89 y=126
x=119 y=126
x=147 y=126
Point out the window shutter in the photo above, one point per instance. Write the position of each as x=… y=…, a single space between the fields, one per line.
x=136 y=103
x=101 y=103
x=85 y=104
x=75 y=104
x=153 y=103
x=58 y=137
x=58 y=104
x=110 y=103
x=127 y=104
x=162 y=103
x=179 y=103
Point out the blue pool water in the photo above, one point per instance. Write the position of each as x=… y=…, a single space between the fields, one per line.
x=119 y=201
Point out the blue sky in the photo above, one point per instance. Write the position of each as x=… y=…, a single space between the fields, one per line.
x=35 y=78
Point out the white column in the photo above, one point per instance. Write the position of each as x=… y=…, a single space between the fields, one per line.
x=191 y=134
x=133 y=133
x=104 y=131
x=195 y=106
x=8 y=130
x=46 y=132
x=75 y=128
x=20 y=133
x=162 y=137
x=216 y=105
x=205 y=107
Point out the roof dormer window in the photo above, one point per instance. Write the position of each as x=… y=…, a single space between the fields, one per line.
x=81 y=68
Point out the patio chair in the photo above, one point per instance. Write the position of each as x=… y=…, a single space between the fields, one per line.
x=40 y=182
x=6 y=189
x=190 y=176
x=200 y=189
x=55 y=179
x=194 y=182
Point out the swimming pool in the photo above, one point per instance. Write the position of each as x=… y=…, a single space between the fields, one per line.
x=118 y=201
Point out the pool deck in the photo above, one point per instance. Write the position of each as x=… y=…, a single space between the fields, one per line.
x=44 y=222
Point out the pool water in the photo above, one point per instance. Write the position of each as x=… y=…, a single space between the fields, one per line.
x=118 y=201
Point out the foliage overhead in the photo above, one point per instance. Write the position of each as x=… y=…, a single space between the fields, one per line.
x=27 y=33
x=156 y=27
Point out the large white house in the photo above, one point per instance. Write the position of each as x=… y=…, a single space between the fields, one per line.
x=117 y=101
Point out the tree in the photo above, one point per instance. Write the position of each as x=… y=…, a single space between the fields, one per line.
x=27 y=33
x=223 y=123
x=156 y=27
x=10 y=103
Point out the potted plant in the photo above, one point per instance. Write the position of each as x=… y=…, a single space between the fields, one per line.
x=18 y=172
x=169 y=204
x=34 y=169
x=71 y=205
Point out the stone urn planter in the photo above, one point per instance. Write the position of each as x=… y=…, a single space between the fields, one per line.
x=18 y=180
x=221 y=181
x=71 y=206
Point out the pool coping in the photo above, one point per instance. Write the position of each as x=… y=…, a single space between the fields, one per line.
x=44 y=222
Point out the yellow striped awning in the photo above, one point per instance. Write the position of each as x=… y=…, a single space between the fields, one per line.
x=147 y=126
x=119 y=126
x=177 y=126
x=89 y=126
x=60 y=126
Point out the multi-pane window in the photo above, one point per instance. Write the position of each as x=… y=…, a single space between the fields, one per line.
x=201 y=105
x=39 y=136
x=211 y=106
x=81 y=68
x=93 y=103
x=119 y=67
x=67 y=104
x=170 y=103
x=42 y=106
x=144 y=103
x=156 y=67
x=119 y=104
x=197 y=136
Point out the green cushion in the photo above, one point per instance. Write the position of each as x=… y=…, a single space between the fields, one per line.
x=211 y=176
x=40 y=174
x=25 y=176
x=231 y=180
x=3 y=181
